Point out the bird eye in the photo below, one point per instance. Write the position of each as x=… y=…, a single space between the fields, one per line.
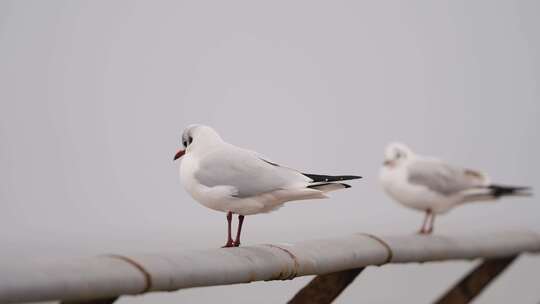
x=398 y=154
x=188 y=141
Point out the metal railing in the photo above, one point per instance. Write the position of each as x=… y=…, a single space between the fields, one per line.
x=336 y=261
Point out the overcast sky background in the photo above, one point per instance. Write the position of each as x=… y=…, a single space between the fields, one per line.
x=94 y=96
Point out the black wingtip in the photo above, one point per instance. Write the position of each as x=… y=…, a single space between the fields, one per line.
x=345 y=186
x=499 y=190
x=317 y=178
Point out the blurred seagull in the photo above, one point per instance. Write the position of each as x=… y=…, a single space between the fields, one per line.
x=432 y=186
x=230 y=179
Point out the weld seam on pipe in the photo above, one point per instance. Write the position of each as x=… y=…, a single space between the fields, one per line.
x=146 y=274
x=296 y=266
x=390 y=253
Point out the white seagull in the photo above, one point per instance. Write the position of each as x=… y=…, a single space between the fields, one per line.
x=430 y=185
x=230 y=179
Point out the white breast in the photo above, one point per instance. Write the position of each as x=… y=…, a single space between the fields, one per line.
x=395 y=184
x=218 y=197
x=188 y=167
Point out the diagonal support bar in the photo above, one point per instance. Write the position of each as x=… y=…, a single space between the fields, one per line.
x=101 y=301
x=325 y=288
x=474 y=283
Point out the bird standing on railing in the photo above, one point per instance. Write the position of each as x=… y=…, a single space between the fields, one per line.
x=435 y=187
x=230 y=179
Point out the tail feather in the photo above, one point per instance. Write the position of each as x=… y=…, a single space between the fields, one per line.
x=500 y=190
x=318 y=178
x=493 y=192
x=328 y=187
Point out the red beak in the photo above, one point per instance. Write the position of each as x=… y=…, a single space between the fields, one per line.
x=179 y=154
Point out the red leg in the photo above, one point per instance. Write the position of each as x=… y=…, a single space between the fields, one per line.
x=230 y=242
x=431 y=224
x=240 y=221
x=423 y=229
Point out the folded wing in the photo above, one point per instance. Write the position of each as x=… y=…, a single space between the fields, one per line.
x=244 y=170
x=443 y=178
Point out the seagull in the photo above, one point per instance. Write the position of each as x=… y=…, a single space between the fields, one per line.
x=433 y=186
x=234 y=180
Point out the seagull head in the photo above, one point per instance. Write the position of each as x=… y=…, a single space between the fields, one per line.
x=197 y=137
x=396 y=153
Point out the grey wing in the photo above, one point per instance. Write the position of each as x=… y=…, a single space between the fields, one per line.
x=246 y=172
x=443 y=178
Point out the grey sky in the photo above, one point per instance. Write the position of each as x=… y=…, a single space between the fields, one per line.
x=94 y=96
